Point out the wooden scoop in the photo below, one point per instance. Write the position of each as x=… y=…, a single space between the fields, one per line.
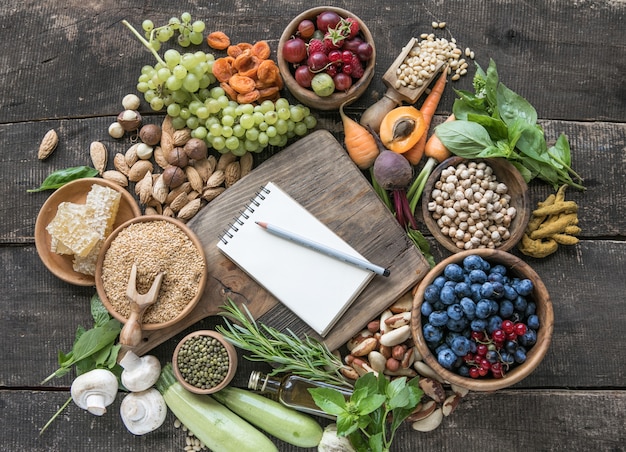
x=130 y=336
x=394 y=97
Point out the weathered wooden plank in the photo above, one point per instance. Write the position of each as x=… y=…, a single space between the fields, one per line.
x=585 y=282
x=550 y=420
x=81 y=60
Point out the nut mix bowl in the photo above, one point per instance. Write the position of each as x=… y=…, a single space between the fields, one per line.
x=306 y=95
x=534 y=346
x=154 y=244
x=214 y=362
x=463 y=207
x=75 y=192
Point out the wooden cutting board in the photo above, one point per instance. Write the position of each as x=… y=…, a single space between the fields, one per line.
x=317 y=172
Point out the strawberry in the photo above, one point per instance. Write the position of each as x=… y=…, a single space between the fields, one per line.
x=350 y=26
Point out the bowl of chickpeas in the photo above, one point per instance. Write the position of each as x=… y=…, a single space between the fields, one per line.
x=471 y=204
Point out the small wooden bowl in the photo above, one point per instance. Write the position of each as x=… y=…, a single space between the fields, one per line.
x=232 y=362
x=506 y=173
x=107 y=244
x=307 y=96
x=540 y=295
x=76 y=192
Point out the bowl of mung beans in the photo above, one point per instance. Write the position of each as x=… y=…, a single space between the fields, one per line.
x=155 y=244
x=470 y=204
x=204 y=362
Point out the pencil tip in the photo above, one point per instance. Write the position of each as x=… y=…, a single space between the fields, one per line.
x=263 y=224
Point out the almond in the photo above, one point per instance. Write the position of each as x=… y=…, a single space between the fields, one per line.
x=160 y=190
x=232 y=174
x=166 y=125
x=48 y=144
x=99 y=156
x=180 y=137
x=216 y=179
x=168 y=212
x=167 y=142
x=224 y=160
x=246 y=161
x=115 y=176
x=159 y=157
x=119 y=162
x=139 y=170
x=173 y=194
x=190 y=209
x=179 y=202
x=209 y=194
x=131 y=155
x=204 y=168
x=194 y=178
x=145 y=188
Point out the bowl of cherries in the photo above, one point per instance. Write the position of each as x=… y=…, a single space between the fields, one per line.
x=482 y=319
x=326 y=56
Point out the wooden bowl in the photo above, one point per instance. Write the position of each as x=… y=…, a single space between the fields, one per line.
x=307 y=96
x=232 y=362
x=136 y=258
x=76 y=192
x=516 y=268
x=506 y=173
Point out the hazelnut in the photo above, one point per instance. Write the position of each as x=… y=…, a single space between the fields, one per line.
x=129 y=120
x=196 y=149
x=173 y=176
x=131 y=102
x=116 y=130
x=177 y=157
x=150 y=134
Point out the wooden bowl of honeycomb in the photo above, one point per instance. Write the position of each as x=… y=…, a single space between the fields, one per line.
x=73 y=198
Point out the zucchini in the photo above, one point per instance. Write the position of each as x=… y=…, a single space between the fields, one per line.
x=216 y=426
x=273 y=417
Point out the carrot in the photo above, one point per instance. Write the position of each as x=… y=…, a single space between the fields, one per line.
x=415 y=154
x=359 y=142
x=434 y=147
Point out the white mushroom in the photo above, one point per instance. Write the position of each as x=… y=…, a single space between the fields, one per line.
x=143 y=412
x=139 y=373
x=95 y=390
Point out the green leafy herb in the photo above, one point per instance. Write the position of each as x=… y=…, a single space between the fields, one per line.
x=288 y=353
x=61 y=177
x=92 y=349
x=364 y=418
x=494 y=121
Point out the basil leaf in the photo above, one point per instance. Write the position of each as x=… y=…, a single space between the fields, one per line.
x=61 y=177
x=561 y=151
x=96 y=339
x=491 y=85
x=464 y=138
x=329 y=400
x=98 y=311
x=376 y=442
x=496 y=128
x=513 y=107
x=370 y=403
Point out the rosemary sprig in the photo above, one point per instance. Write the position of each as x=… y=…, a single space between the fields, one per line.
x=287 y=353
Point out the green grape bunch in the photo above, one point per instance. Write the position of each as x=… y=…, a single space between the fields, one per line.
x=183 y=84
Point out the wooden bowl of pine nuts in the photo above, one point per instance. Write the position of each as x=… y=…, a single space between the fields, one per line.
x=470 y=204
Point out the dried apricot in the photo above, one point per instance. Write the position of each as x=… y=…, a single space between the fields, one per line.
x=268 y=72
x=230 y=92
x=245 y=46
x=248 y=98
x=271 y=93
x=241 y=83
x=223 y=69
x=234 y=51
x=261 y=50
x=246 y=64
x=218 y=40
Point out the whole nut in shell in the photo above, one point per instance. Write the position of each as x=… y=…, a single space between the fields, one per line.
x=150 y=134
x=177 y=157
x=129 y=120
x=173 y=176
x=196 y=149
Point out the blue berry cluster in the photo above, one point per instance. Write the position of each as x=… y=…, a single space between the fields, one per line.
x=477 y=319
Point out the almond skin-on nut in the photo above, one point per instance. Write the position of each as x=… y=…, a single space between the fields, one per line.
x=119 y=162
x=433 y=389
x=116 y=177
x=365 y=346
x=430 y=422
x=48 y=144
x=139 y=170
x=450 y=404
x=210 y=194
x=425 y=409
x=190 y=209
x=246 y=161
x=99 y=156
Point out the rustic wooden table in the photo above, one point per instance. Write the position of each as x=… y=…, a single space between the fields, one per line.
x=67 y=64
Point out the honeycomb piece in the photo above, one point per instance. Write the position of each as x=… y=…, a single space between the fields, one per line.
x=69 y=226
x=105 y=202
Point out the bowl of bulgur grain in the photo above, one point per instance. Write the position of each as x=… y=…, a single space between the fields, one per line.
x=156 y=244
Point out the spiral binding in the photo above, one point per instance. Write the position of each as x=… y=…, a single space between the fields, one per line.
x=243 y=215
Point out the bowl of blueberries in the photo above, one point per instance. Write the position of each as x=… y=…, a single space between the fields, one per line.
x=482 y=319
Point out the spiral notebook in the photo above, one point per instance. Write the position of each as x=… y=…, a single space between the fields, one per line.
x=316 y=287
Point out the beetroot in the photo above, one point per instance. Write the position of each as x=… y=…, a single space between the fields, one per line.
x=393 y=172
